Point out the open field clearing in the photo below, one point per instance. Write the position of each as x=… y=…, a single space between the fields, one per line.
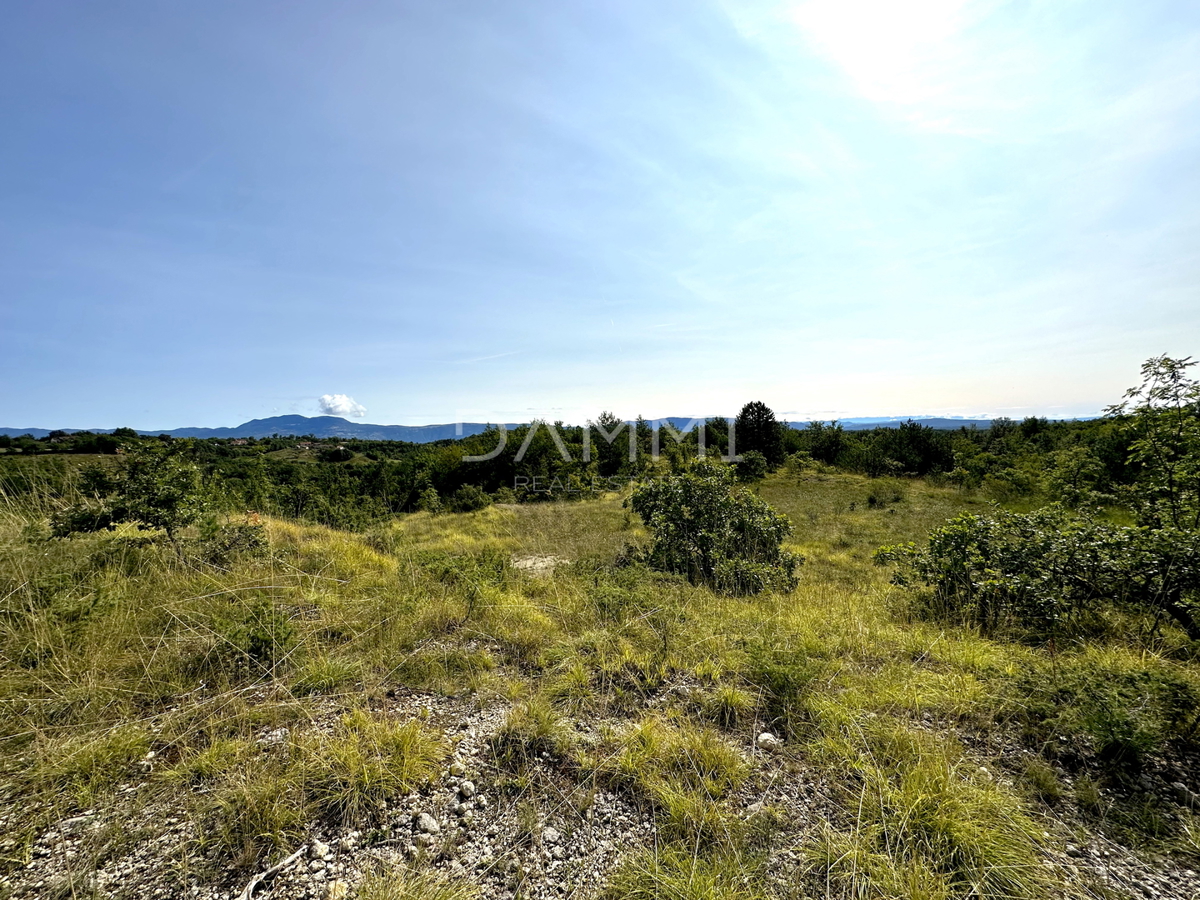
x=419 y=710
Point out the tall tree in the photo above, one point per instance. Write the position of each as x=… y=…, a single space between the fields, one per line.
x=756 y=428
x=1164 y=411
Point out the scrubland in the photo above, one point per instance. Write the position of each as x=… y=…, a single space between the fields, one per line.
x=179 y=716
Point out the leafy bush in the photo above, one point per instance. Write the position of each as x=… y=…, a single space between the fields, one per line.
x=156 y=485
x=752 y=467
x=1042 y=570
x=468 y=498
x=429 y=501
x=716 y=533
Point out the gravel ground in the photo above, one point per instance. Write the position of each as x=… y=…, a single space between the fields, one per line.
x=553 y=839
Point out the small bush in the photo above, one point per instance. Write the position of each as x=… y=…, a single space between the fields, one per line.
x=468 y=498
x=429 y=501
x=1126 y=707
x=752 y=467
x=1047 y=570
x=715 y=533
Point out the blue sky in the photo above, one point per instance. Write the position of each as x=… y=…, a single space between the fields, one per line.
x=493 y=211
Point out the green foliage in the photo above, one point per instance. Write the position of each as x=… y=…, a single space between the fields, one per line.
x=1075 y=477
x=752 y=466
x=94 y=760
x=222 y=542
x=259 y=808
x=429 y=501
x=757 y=429
x=715 y=533
x=1045 y=571
x=156 y=485
x=468 y=498
x=1164 y=412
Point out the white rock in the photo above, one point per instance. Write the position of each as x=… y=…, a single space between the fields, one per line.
x=320 y=850
x=428 y=824
x=551 y=835
x=768 y=742
x=467 y=789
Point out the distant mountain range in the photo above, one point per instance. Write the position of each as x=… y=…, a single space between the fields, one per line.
x=334 y=427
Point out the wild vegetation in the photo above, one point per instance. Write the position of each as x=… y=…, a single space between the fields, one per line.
x=646 y=691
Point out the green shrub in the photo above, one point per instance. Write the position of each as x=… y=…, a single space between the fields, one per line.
x=752 y=466
x=468 y=498
x=429 y=501
x=157 y=485
x=1046 y=570
x=716 y=533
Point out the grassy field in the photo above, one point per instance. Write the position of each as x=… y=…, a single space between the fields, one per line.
x=254 y=698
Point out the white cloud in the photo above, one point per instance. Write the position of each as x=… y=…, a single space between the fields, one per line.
x=341 y=405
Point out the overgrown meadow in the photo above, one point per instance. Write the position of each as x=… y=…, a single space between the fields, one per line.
x=139 y=672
